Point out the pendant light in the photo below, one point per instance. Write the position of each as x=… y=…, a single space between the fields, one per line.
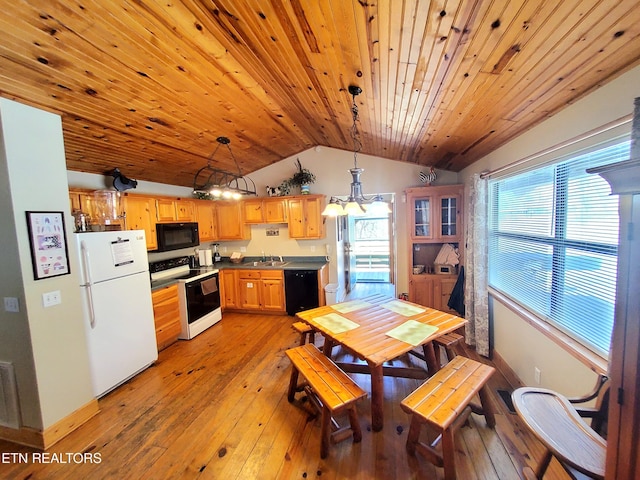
x=211 y=182
x=357 y=203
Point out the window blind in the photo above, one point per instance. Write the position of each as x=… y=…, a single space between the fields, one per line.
x=553 y=242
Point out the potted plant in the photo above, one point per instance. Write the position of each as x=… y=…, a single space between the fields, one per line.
x=302 y=178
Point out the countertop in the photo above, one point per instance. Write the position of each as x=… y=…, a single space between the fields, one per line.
x=293 y=263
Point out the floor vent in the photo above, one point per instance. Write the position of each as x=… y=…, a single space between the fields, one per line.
x=9 y=412
x=506 y=398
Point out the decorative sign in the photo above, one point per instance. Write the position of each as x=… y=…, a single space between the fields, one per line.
x=49 y=252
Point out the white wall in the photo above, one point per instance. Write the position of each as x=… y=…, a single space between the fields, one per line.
x=331 y=167
x=46 y=345
x=522 y=346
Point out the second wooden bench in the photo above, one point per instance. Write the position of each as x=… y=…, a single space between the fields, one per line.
x=330 y=389
x=444 y=402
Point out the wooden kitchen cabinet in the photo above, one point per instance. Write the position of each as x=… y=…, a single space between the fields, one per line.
x=261 y=290
x=230 y=221
x=265 y=210
x=434 y=217
x=229 y=288
x=140 y=214
x=305 y=216
x=206 y=218
x=175 y=210
x=166 y=314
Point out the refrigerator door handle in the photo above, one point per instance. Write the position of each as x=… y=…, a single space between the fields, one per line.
x=88 y=283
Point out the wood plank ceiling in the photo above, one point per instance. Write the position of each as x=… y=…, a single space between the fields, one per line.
x=148 y=85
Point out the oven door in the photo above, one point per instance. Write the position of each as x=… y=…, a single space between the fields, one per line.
x=202 y=297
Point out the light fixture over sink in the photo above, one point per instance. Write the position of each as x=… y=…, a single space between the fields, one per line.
x=214 y=183
x=355 y=204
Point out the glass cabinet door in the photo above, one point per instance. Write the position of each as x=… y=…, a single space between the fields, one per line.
x=448 y=216
x=422 y=217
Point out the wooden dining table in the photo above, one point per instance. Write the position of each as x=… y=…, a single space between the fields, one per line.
x=378 y=329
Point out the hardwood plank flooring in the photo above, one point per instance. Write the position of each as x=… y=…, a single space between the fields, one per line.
x=215 y=407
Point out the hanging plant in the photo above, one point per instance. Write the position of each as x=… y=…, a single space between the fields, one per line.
x=303 y=176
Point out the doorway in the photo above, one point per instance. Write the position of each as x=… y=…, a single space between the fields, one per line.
x=369 y=253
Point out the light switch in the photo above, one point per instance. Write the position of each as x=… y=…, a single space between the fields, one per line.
x=50 y=299
x=11 y=304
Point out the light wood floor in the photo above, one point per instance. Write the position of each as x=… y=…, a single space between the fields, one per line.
x=215 y=408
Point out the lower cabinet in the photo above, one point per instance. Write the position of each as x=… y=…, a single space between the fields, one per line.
x=261 y=290
x=432 y=290
x=229 y=288
x=166 y=314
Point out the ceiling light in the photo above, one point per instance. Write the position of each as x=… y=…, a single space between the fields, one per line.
x=211 y=182
x=355 y=204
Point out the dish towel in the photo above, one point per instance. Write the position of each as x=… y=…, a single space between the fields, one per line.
x=209 y=286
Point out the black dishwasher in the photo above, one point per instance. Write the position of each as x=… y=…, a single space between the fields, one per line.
x=301 y=290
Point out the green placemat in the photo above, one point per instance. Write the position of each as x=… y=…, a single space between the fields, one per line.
x=405 y=309
x=351 y=306
x=412 y=332
x=335 y=323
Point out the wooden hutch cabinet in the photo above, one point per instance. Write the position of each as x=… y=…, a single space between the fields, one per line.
x=623 y=448
x=434 y=217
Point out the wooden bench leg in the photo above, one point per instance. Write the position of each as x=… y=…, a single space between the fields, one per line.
x=293 y=384
x=355 y=425
x=325 y=432
x=449 y=454
x=414 y=435
x=433 y=364
x=487 y=407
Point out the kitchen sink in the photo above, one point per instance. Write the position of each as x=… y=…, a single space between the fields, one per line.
x=270 y=263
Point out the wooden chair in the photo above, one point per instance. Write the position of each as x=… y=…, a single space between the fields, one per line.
x=559 y=425
x=444 y=402
x=329 y=389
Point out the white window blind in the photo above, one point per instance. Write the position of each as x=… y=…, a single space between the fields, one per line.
x=553 y=243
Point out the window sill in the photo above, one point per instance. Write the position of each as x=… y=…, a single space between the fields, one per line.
x=592 y=360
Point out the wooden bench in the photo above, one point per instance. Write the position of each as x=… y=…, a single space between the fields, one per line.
x=450 y=342
x=304 y=330
x=444 y=402
x=329 y=389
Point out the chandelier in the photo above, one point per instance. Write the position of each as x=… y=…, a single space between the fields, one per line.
x=212 y=182
x=357 y=203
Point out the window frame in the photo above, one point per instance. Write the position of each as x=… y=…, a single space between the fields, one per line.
x=579 y=347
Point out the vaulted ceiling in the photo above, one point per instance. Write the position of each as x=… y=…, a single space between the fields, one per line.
x=148 y=85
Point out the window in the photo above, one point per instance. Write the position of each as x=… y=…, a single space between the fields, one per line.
x=553 y=243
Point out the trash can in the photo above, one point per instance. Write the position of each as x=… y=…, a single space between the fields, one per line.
x=330 y=293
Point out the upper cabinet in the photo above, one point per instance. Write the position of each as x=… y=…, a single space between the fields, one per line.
x=206 y=218
x=305 y=216
x=140 y=214
x=230 y=221
x=175 y=210
x=265 y=210
x=435 y=213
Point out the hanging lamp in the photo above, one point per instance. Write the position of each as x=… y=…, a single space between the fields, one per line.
x=357 y=203
x=215 y=183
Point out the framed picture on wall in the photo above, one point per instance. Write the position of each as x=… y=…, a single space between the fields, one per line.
x=49 y=252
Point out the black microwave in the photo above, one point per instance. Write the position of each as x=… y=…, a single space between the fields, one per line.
x=173 y=236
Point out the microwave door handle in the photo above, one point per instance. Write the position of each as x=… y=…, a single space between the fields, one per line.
x=88 y=282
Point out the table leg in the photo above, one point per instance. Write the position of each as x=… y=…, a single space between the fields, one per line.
x=327 y=349
x=433 y=364
x=377 y=397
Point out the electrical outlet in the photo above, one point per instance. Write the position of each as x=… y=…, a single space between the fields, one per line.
x=11 y=304
x=50 y=299
x=313 y=248
x=536 y=375
x=243 y=249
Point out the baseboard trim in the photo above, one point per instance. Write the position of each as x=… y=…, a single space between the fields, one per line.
x=43 y=440
x=506 y=370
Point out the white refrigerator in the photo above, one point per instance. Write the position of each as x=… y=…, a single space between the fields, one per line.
x=117 y=306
